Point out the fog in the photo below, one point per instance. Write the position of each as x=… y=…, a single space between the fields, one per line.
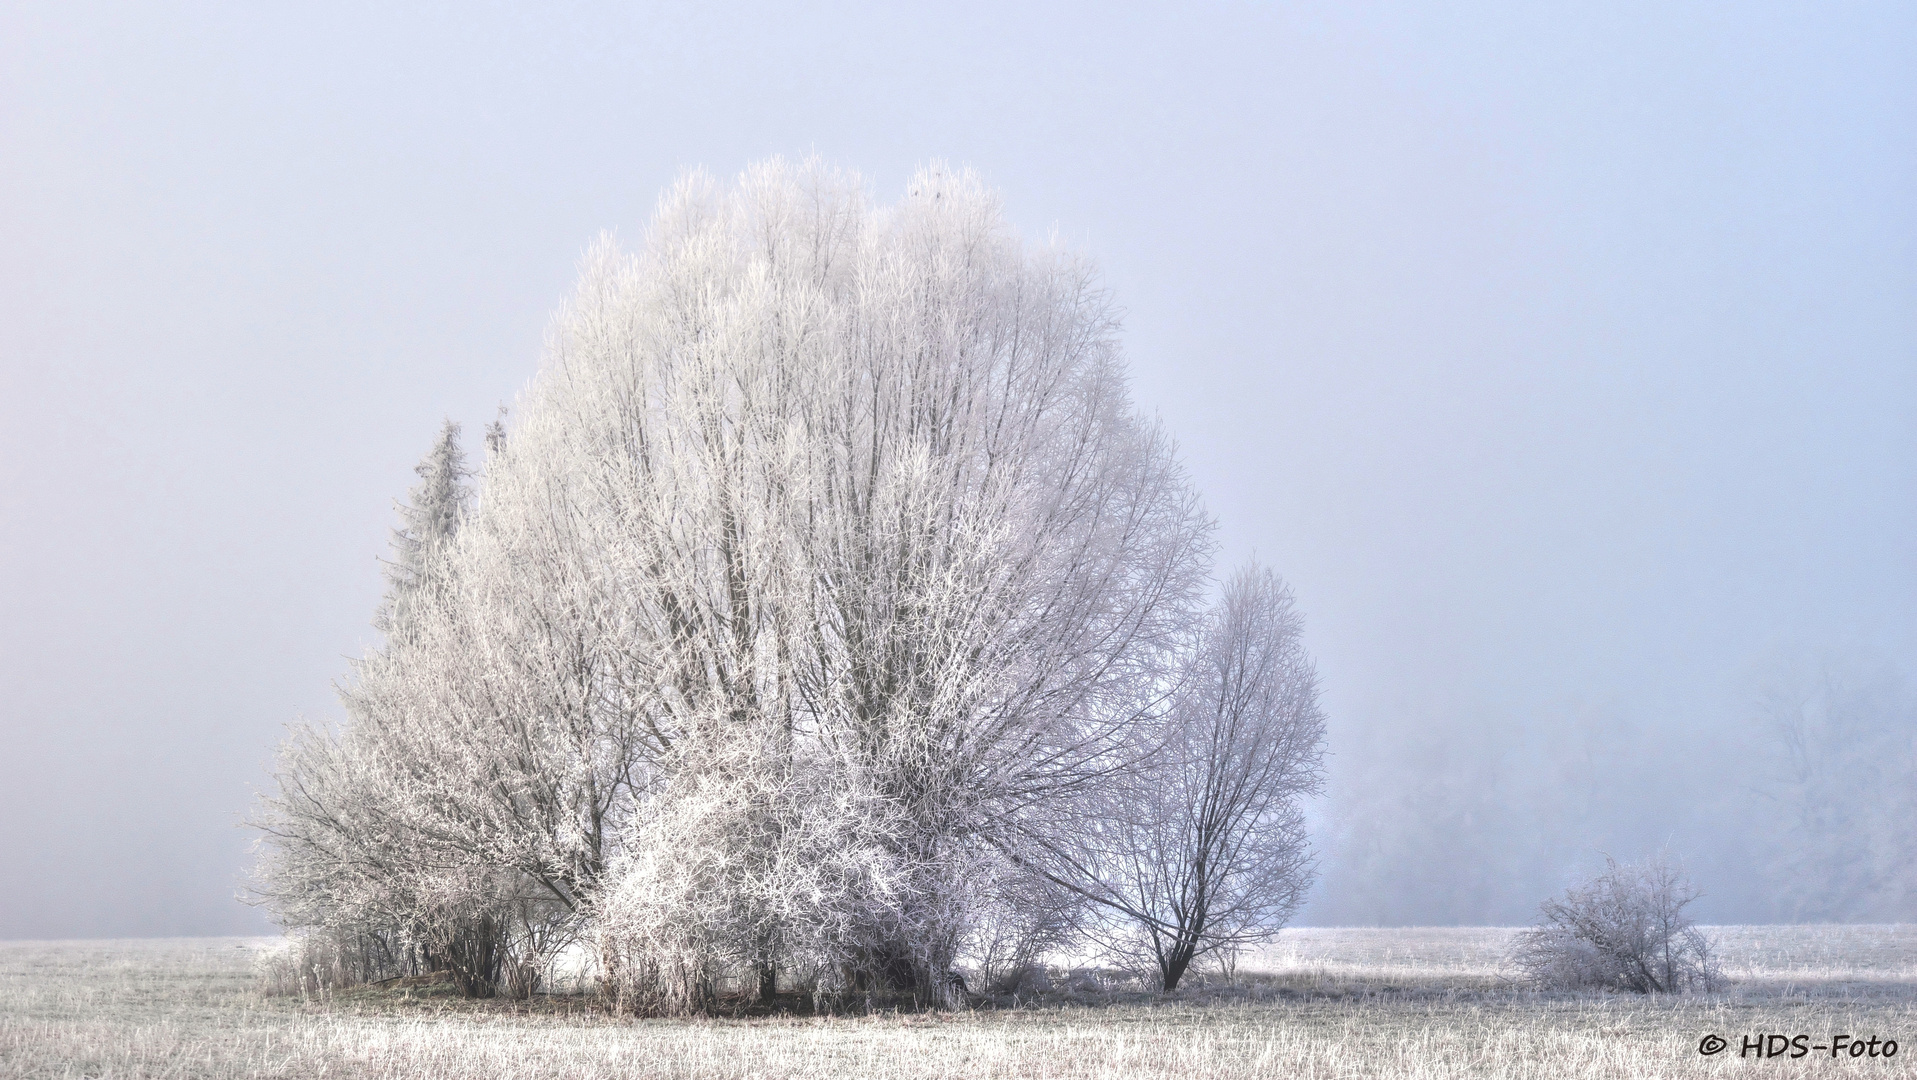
x=1563 y=359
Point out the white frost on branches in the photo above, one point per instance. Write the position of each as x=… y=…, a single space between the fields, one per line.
x=825 y=579
x=1199 y=848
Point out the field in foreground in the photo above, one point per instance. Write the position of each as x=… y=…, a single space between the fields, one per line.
x=1327 y=1003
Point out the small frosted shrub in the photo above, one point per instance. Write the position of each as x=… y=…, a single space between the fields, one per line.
x=1622 y=930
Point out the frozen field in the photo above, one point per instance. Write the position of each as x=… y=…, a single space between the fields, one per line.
x=1324 y=1003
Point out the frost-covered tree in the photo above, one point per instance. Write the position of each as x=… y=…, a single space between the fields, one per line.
x=880 y=511
x=342 y=858
x=826 y=576
x=1200 y=846
x=428 y=520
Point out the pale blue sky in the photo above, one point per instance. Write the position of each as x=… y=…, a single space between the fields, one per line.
x=1564 y=357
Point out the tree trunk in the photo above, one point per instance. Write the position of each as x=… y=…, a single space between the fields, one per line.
x=1172 y=967
x=768 y=977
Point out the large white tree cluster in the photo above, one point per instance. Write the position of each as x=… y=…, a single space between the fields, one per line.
x=828 y=620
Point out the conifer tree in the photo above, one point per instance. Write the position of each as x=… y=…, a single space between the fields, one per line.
x=428 y=520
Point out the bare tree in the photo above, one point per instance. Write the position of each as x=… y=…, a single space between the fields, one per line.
x=1200 y=847
x=1624 y=929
